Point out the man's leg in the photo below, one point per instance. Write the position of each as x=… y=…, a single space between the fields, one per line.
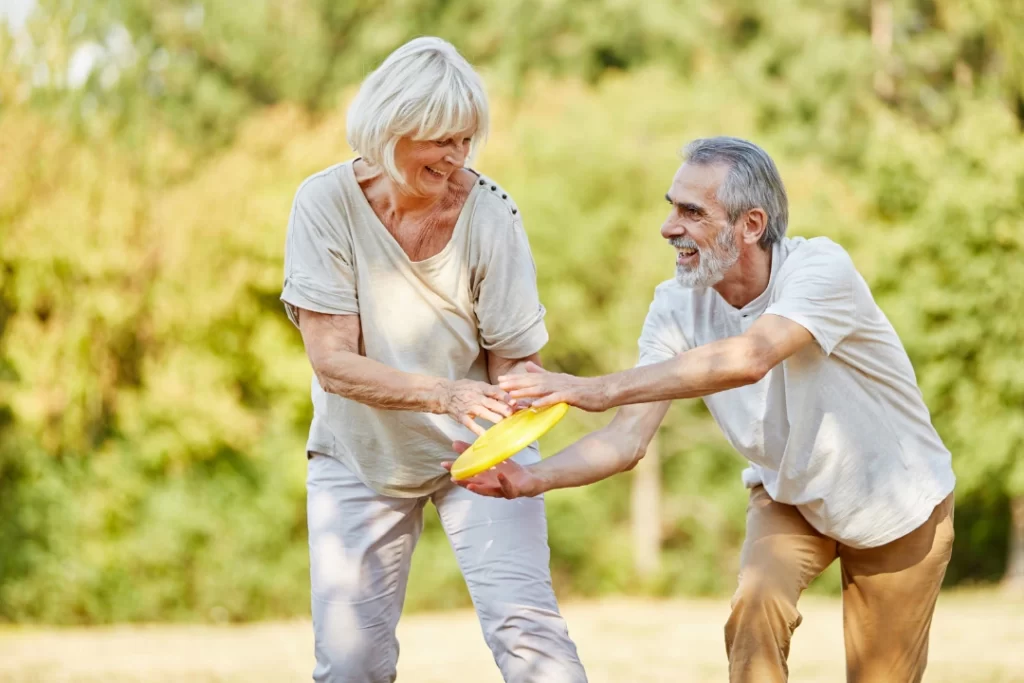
x=360 y=548
x=502 y=548
x=889 y=595
x=781 y=555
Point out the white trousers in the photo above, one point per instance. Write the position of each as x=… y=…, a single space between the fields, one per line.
x=360 y=548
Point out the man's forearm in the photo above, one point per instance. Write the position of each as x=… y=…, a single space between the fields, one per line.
x=608 y=451
x=594 y=457
x=707 y=369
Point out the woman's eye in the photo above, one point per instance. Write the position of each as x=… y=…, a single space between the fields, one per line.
x=443 y=143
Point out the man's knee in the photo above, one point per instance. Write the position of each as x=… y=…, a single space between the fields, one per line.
x=761 y=597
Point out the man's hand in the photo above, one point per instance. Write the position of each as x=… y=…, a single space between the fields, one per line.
x=543 y=388
x=507 y=479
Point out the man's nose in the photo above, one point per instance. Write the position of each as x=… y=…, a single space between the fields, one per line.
x=672 y=227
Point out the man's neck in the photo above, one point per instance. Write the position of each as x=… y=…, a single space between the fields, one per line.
x=748 y=278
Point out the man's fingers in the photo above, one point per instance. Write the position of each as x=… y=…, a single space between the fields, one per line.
x=529 y=392
x=533 y=367
x=459 y=447
x=483 y=491
x=549 y=400
x=508 y=382
x=507 y=490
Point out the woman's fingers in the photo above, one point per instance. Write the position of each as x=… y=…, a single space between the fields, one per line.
x=473 y=426
x=489 y=415
x=496 y=406
x=497 y=393
x=503 y=409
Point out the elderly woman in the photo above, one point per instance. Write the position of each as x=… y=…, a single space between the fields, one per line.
x=411 y=280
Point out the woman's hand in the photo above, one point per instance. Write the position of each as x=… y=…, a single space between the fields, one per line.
x=545 y=389
x=507 y=479
x=466 y=399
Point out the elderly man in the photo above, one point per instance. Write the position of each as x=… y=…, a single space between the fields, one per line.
x=807 y=378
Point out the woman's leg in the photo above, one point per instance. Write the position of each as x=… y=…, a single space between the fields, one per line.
x=502 y=548
x=360 y=547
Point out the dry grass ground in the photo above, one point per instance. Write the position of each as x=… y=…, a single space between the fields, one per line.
x=976 y=637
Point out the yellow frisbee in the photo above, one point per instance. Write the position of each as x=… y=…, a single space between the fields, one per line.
x=506 y=438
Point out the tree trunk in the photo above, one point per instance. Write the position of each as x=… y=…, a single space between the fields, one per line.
x=646 y=513
x=881 y=39
x=1014 y=579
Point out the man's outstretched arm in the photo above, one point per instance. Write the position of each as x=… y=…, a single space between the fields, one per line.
x=599 y=455
x=708 y=369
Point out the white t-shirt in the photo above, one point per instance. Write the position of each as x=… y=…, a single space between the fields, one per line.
x=435 y=317
x=839 y=429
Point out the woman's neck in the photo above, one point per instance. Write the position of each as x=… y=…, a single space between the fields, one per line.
x=399 y=203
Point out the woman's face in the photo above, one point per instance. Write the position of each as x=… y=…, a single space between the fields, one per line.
x=427 y=165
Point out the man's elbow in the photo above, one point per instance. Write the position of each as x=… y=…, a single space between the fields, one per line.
x=757 y=360
x=633 y=452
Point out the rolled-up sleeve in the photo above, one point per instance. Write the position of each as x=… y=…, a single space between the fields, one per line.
x=319 y=273
x=508 y=308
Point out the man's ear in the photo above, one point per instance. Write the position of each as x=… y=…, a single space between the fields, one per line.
x=754 y=223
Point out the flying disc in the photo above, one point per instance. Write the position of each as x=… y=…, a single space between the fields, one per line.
x=506 y=438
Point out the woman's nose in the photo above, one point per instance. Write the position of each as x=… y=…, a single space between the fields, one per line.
x=457 y=154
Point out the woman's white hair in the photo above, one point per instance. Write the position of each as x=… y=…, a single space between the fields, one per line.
x=424 y=90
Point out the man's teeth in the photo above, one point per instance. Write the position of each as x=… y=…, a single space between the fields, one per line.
x=685 y=251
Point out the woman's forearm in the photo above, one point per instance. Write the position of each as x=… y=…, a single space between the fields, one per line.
x=332 y=344
x=374 y=384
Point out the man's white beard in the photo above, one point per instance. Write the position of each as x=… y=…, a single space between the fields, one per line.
x=712 y=263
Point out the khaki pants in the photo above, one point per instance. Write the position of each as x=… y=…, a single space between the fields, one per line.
x=889 y=594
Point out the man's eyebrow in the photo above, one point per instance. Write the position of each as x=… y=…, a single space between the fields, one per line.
x=687 y=206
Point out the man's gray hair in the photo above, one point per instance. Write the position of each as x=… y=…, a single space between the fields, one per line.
x=752 y=182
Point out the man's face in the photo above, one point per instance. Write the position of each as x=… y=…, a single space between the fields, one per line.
x=698 y=227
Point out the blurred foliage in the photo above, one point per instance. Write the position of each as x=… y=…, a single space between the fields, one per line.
x=154 y=399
